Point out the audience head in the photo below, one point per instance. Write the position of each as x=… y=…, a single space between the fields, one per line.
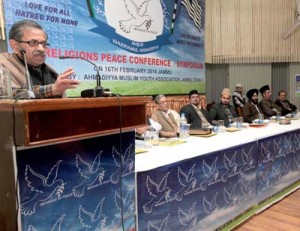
x=252 y=95
x=29 y=36
x=162 y=103
x=203 y=101
x=282 y=95
x=265 y=92
x=225 y=96
x=194 y=97
x=239 y=88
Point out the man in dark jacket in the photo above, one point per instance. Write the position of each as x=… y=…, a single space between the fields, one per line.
x=223 y=110
x=268 y=107
x=251 y=109
x=196 y=115
x=286 y=106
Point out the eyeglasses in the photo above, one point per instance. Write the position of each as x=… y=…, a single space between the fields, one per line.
x=163 y=102
x=35 y=43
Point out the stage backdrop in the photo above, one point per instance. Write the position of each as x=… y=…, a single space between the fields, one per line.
x=140 y=47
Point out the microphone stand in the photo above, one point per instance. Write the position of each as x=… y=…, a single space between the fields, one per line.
x=27 y=93
x=98 y=91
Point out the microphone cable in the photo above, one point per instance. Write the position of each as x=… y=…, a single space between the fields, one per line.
x=14 y=153
x=121 y=159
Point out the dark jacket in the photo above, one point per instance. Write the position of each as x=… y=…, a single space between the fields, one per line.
x=193 y=117
x=286 y=110
x=267 y=107
x=218 y=112
x=250 y=112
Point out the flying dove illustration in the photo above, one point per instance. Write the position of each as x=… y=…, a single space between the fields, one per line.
x=247 y=159
x=230 y=165
x=127 y=202
x=276 y=173
x=44 y=187
x=56 y=226
x=158 y=192
x=246 y=191
x=188 y=220
x=92 y=220
x=127 y=206
x=210 y=172
x=287 y=145
x=286 y=166
x=138 y=15
x=265 y=153
x=209 y=206
x=31 y=228
x=124 y=162
x=296 y=162
x=187 y=181
x=230 y=197
x=264 y=181
x=89 y=172
x=297 y=142
x=277 y=147
x=163 y=226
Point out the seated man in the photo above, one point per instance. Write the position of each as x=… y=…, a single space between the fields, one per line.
x=194 y=113
x=251 y=109
x=284 y=104
x=268 y=107
x=167 y=118
x=223 y=110
x=239 y=99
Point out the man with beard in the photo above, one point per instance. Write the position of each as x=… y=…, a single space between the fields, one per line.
x=195 y=113
x=223 y=110
x=239 y=99
x=251 y=109
x=28 y=37
x=268 y=107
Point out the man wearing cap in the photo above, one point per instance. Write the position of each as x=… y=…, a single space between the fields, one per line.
x=239 y=99
x=223 y=110
x=167 y=118
x=251 y=109
x=195 y=115
x=268 y=107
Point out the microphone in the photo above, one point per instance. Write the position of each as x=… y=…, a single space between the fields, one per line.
x=27 y=93
x=98 y=91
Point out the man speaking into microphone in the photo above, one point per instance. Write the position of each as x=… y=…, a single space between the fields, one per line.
x=27 y=38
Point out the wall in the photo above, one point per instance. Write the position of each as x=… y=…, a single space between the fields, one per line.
x=251 y=31
x=244 y=44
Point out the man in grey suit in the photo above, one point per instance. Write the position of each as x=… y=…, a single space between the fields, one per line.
x=195 y=114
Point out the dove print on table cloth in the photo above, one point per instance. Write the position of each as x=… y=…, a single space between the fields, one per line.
x=44 y=187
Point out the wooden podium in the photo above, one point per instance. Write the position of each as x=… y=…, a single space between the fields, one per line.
x=30 y=123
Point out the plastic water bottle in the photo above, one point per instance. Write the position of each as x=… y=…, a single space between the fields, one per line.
x=183 y=127
x=260 y=118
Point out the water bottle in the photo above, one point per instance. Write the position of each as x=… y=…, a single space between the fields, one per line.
x=183 y=125
x=260 y=118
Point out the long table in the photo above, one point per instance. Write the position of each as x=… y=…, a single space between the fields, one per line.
x=208 y=183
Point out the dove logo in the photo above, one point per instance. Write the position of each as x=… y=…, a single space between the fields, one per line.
x=136 y=20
